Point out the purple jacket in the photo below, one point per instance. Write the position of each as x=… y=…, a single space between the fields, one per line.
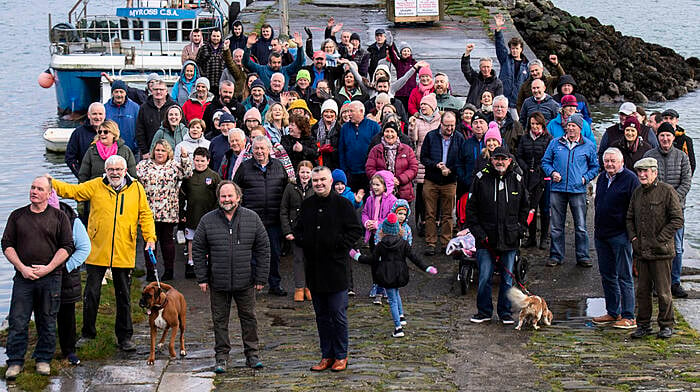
x=387 y=202
x=402 y=66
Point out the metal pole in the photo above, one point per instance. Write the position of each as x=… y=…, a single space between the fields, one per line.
x=284 y=17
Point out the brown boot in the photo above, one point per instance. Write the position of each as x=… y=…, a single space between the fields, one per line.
x=323 y=365
x=307 y=294
x=298 y=295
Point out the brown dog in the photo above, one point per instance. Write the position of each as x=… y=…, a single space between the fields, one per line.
x=532 y=308
x=166 y=308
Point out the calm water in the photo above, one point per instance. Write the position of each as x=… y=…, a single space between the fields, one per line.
x=28 y=109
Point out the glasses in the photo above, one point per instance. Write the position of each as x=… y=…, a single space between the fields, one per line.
x=114 y=169
x=102 y=132
x=319 y=58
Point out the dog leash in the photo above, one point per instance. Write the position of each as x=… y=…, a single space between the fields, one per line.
x=154 y=261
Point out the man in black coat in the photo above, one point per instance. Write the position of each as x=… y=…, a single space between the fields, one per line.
x=151 y=116
x=225 y=243
x=327 y=227
x=263 y=180
x=225 y=102
x=497 y=217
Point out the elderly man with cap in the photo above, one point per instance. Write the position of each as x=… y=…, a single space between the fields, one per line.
x=569 y=106
x=379 y=49
x=570 y=161
x=613 y=193
x=219 y=144
x=616 y=132
x=200 y=98
x=225 y=102
x=257 y=98
x=123 y=111
x=540 y=101
x=673 y=169
x=497 y=216
x=682 y=141
x=653 y=217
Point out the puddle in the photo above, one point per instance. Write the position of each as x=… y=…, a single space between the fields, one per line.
x=577 y=311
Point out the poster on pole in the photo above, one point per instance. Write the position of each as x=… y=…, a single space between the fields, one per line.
x=427 y=7
x=405 y=8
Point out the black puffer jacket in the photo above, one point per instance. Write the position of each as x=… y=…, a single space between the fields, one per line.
x=71 y=288
x=530 y=153
x=222 y=250
x=389 y=268
x=262 y=191
x=499 y=214
x=478 y=83
x=293 y=195
x=309 y=150
x=148 y=121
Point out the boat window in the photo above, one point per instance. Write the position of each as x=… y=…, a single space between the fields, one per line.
x=124 y=26
x=138 y=30
x=154 y=31
x=172 y=31
x=186 y=29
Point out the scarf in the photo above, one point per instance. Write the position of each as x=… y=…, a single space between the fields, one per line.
x=467 y=130
x=632 y=147
x=390 y=151
x=425 y=118
x=323 y=133
x=425 y=90
x=104 y=151
x=239 y=160
x=487 y=108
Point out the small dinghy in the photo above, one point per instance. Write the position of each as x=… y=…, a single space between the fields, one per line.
x=56 y=139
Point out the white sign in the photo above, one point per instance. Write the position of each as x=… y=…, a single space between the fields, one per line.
x=405 y=8
x=427 y=8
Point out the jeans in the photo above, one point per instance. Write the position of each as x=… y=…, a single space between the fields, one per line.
x=220 y=312
x=43 y=297
x=615 y=264
x=274 y=233
x=123 y=327
x=678 y=259
x=332 y=322
x=577 y=204
x=486 y=266
x=395 y=305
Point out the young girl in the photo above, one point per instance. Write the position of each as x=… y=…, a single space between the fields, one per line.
x=492 y=139
x=377 y=208
x=389 y=267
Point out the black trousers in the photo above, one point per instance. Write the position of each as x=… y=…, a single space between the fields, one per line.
x=123 y=327
x=220 y=312
x=65 y=321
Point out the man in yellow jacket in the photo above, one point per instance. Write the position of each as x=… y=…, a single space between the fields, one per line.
x=118 y=205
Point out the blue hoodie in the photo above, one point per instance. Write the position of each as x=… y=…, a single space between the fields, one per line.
x=182 y=89
x=339 y=176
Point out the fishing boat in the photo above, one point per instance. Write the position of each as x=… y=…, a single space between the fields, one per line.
x=147 y=36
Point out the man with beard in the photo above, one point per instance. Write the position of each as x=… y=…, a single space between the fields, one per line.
x=320 y=71
x=225 y=268
x=119 y=206
x=189 y=52
x=257 y=98
x=83 y=136
x=327 y=227
x=274 y=61
x=151 y=116
x=210 y=58
x=225 y=102
x=480 y=81
x=445 y=100
x=497 y=216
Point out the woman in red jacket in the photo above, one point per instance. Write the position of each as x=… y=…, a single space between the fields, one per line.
x=396 y=157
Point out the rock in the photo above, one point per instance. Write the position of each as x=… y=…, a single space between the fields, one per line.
x=613 y=89
x=617 y=74
x=605 y=99
x=626 y=88
x=639 y=97
x=657 y=96
x=619 y=98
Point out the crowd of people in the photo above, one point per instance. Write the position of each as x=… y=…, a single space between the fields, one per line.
x=252 y=148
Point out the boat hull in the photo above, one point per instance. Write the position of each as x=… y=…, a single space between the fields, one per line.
x=56 y=139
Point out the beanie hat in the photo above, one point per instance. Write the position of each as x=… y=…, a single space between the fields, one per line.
x=391 y=125
x=403 y=45
x=355 y=36
x=429 y=100
x=479 y=116
x=53 y=198
x=217 y=115
x=119 y=85
x=493 y=133
x=568 y=100
x=401 y=205
x=575 y=119
x=227 y=118
x=203 y=81
x=425 y=71
x=469 y=106
x=390 y=226
x=257 y=83
x=151 y=77
x=252 y=114
x=666 y=127
x=631 y=121
x=339 y=176
x=330 y=104
x=303 y=74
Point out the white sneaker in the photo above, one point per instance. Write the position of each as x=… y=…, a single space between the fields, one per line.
x=43 y=368
x=12 y=372
x=180 y=237
x=398 y=333
x=402 y=320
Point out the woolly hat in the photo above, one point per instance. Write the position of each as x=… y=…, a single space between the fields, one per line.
x=339 y=176
x=469 y=106
x=151 y=77
x=480 y=116
x=568 y=100
x=355 y=36
x=227 y=118
x=401 y=204
x=391 y=125
x=203 y=81
x=631 y=121
x=330 y=104
x=390 y=226
x=252 y=114
x=425 y=71
x=303 y=74
x=403 y=45
x=493 y=133
x=429 y=100
x=666 y=127
x=575 y=119
x=119 y=85
x=257 y=83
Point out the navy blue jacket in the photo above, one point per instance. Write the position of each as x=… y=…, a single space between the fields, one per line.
x=612 y=202
x=431 y=155
x=511 y=83
x=78 y=144
x=472 y=152
x=353 y=146
x=217 y=148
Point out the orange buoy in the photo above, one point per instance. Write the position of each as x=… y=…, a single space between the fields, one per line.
x=46 y=79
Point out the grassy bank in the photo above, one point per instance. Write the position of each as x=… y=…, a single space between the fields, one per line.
x=104 y=345
x=468 y=9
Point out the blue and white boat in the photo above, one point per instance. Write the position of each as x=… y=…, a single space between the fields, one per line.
x=135 y=41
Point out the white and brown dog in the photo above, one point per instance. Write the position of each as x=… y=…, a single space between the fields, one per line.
x=532 y=308
x=166 y=308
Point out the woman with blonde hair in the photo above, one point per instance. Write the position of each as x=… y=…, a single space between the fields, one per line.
x=106 y=144
x=276 y=122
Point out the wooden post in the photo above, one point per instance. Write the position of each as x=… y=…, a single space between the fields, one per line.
x=284 y=17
